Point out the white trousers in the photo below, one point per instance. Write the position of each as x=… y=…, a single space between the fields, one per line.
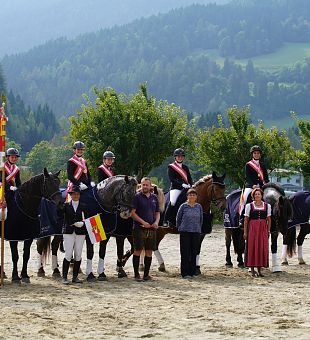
x=73 y=242
x=246 y=193
x=174 y=194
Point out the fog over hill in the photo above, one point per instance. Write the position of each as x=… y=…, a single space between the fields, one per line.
x=25 y=24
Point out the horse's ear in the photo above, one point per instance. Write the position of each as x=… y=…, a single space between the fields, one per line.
x=214 y=174
x=224 y=175
x=57 y=174
x=126 y=179
x=45 y=172
x=155 y=190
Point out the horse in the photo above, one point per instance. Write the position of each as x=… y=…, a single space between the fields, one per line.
x=301 y=207
x=282 y=212
x=112 y=197
x=210 y=189
x=23 y=222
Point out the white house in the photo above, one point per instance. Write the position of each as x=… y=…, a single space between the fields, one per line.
x=290 y=180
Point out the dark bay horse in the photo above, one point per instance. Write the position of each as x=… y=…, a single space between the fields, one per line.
x=113 y=198
x=282 y=212
x=22 y=223
x=301 y=207
x=210 y=189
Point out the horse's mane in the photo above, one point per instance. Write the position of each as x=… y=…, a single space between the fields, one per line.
x=202 y=180
x=275 y=186
x=159 y=193
x=26 y=187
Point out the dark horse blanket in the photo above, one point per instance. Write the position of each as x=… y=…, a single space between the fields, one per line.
x=19 y=226
x=231 y=213
x=301 y=206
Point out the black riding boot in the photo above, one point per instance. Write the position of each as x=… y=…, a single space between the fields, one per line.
x=65 y=269
x=168 y=218
x=76 y=268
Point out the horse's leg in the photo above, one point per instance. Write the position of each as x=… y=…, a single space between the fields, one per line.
x=304 y=230
x=228 y=237
x=141 y=265
x=198 y=271
x=284 y=261
x=26 y=257
x=14 y=253
x=89 y=264
x=129 y=252
x=57 y=239
x=120 y=240
x=102 y=253
x=40 y=268
x=160 y=234
x=239 y=245
x=276 y=268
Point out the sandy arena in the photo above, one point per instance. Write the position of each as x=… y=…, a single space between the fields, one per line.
x=220 y=304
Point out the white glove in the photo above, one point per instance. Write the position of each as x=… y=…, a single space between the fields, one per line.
x=13 y=188
x=93 y=184
x=78 y=224
x=83 y=186
x=186 y=186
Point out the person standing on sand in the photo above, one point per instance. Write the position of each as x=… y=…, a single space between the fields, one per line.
x=257 y=223
x=189 y=221
x=146 y=215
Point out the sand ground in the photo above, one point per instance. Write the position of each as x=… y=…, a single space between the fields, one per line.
x=222 y=303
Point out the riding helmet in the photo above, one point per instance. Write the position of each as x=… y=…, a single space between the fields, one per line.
x=78 y=145
x=75 y=188
x=179 y=152
x=255 y=148
x=12 y=152
x=108 y=154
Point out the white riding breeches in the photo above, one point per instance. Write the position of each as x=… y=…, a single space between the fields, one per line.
x=73 y=242
x=174 y=194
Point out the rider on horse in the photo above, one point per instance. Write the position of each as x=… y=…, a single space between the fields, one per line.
x=77 y=169
x=255 y=175
x=12 y=172
x=180 y=178
x=104 y=171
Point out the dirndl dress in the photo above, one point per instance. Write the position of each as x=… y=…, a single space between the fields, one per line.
x=257 y=249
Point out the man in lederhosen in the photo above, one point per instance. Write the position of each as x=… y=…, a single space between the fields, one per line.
x=180 y=178
x=104 y=171
x=77 y=169
x=256 y=176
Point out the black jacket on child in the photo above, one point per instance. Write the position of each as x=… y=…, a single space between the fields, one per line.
x=72 y=216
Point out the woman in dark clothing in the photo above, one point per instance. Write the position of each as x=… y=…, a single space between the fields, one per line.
x=189 y=222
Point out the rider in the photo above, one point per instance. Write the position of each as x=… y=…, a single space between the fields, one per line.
x=12 y=172
x=255 y=175
x=77 y=169
x=104 y=171
x=180 y=178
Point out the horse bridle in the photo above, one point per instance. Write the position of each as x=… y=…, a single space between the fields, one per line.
x=213 y=198
x=120 y=202
x=50 y=197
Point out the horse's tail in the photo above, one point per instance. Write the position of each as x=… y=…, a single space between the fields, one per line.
x=46 y=248
x=291 y=241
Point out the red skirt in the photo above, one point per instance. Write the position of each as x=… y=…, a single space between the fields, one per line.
x=257 y=250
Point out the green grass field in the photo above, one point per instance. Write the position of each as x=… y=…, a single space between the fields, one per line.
x=287 y=55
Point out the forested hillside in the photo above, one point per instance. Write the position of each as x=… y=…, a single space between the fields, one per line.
x=169 y=52
x=25 y=24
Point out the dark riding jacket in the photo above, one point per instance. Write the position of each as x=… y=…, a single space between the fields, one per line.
x=85 y=178
x=72 y=216
x=16 y=183
x=252 y=178
x=101 y=175
x=177 y=180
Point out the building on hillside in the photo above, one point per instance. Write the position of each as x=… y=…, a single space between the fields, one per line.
x=290 y=180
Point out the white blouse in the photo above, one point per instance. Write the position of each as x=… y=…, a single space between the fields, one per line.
x=248 y=209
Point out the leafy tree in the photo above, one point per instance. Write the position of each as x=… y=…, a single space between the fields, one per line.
x=39 y=157
x=139 y=129
x=227 y=148
x=302 y=157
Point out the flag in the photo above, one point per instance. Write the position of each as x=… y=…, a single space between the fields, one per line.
x=241 y=203
x=95 y=229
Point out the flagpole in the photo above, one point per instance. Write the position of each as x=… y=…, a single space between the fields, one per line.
x=3 y=120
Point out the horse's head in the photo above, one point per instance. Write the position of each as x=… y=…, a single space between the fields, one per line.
x=159 y=193
x=118 y=192
x=283 y=212
x=50 y=187
x=211 y=189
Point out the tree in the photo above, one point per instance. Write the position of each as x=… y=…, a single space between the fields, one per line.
x=227 y=149
x=140 y=130
x=302 y=157
x=39 y=157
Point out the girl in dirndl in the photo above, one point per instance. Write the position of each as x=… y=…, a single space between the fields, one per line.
x=257 y=223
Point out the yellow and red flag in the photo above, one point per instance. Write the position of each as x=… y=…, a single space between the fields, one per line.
x=95 y=229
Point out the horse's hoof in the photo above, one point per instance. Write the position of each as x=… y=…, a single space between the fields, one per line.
x=141 y=268
x=162 y=267
x=197 y=271
x=229 y=264
x=56 y=273
x=301 y=261
x=26 y=279
x=121 y=273
x=41 y=272
x=276 y=269
x=241 y=265
x=284 y=263
x=16 y=280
